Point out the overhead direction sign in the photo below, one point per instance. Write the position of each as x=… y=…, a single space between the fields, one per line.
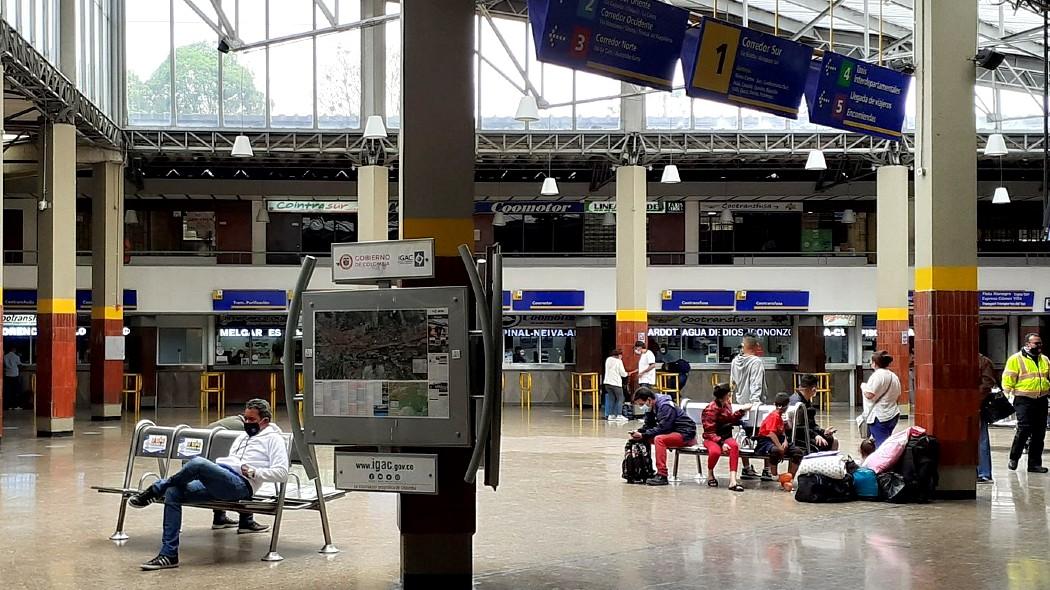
x=857 y=96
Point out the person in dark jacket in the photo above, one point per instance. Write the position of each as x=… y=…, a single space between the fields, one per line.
x=820 y=439
x=718 y=419
x=672 y=429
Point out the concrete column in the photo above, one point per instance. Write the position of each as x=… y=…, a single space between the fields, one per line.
x=632 y=314
x=258 y=233
x=56 y=285
x=436 y=198
x=107 y=295
x=946 y=333
x=67 y=38
x=692 y=233
x=893 y=273
x=373 y=203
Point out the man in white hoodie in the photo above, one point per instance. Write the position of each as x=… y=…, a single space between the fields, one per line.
x=747 y=376
x=256 y=457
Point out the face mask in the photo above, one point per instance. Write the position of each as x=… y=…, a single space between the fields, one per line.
x=1035 y=350
x=252 y=428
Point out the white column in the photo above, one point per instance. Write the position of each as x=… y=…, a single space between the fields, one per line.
x=373 y=203
x=692 y=232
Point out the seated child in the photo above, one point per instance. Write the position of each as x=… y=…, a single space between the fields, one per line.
x=773 y=442
x=867 y=447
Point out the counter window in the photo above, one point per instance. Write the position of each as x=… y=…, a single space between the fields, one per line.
x=180 y=346
x=539 y=345
x=836 y=344
x=250 y=340
x=712 y=345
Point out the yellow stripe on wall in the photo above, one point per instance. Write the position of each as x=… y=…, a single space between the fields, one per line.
x=946 y=278
x=632 y=315
x=448 y=232
x=56 y=306
x=892 y=313
x=107 y=312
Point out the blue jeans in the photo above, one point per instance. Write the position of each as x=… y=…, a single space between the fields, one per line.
x=880 y=431
x=613 y=400
x=984 y=452
x=199 y=480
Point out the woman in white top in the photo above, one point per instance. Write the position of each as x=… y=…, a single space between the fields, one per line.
x=881 y=392
x=614 y=376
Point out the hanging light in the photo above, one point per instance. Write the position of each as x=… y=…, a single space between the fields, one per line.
x=499 y=219
x=726 y=217
x=528 y=110
x=996 y=145
x=242 y=147
x=264 y=215
x=1001 y=196
x=815 y=161
x=131 y=217
x=849 y=217
x=609 y=219
x=670 y=175
x=550 y=187
x=374 y=128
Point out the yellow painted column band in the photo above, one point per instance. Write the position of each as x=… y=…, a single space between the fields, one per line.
x=946 y=278
x=632 y=315
x=56 y=306
x=448 y=233
x=107 y=312
x=892 y=313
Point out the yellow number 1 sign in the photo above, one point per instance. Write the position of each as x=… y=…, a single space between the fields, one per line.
x=714 y=61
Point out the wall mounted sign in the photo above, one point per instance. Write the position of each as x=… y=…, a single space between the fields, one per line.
x=528 y=207
x=130 y=299
x=840 y=320
x=731 y=320
x=540 y=332
x=772 y=300
x=354 y=262
x=712 y=332
x=506 y=301
x=547 y=300
x=1007 y=300
x=26 y=299
x=750 y=206
x=651 y=207
x=724 y=62
x=857 y=96
x=539 y=320
x=636 y=41
x=673 y=300
x=311 y=206
x=248 y=300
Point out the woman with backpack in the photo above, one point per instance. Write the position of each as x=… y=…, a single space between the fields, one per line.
x=718 y=419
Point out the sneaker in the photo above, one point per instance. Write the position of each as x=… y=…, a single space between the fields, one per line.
x=1012 y=465
x=223 y=522
x=252 y=527
x=656 y=480
x=766 y=475
x=622 y=419
x=983 y=479
x=1037 y=469
x=748 y=473
x=144 y=498
x=161 y=562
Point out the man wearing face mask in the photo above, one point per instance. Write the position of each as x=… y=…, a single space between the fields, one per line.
x=1027 y=377
x=667 y=427
x=256 y=457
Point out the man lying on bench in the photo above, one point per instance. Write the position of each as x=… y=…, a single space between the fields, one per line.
x=257 y=456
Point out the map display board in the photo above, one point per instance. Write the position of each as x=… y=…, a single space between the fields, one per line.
x=382 y=363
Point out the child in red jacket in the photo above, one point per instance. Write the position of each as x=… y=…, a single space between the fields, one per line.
x=718 y=419
x=772 y=441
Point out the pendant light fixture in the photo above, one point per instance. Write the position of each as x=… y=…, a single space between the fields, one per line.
x=131 y=217
x=264 y=214
x=670 y=174
x=528 y=111
x=726 y=218
x=609 y=219
x=375 y=128
x=849 y=217
x=499 y=219
x=550 y=186
x=996 y=145
x=1001 y=196
x=815 y=161
x=242 y=146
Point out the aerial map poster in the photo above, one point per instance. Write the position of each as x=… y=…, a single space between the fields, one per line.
x=381 y=363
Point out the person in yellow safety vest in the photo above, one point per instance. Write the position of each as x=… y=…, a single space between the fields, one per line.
x=1027 y=378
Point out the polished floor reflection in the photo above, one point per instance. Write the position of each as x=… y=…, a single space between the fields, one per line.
x=562 y=519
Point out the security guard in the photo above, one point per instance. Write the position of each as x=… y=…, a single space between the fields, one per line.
x=1027 y=378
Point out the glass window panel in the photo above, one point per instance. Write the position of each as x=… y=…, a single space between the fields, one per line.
x=148 y=62
x=836 y=344
x=251 y=20
x=243 y=89
x=1023 y=110
x=180 y=346
x=499 y=97
x=668 y=110
x=196 y=69
x=759 y=121
x=393 y=68
x=288 y=17
x=714 y=115
x=291 y=84
x=339 y=80
x=603 y=114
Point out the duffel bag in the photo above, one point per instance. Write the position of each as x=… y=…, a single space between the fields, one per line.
x=821 y=489
x=831 y=464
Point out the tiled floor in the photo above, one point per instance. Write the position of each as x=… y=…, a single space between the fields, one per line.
x=563 y=518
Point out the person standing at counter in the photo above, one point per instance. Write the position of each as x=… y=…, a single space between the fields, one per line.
x=747 y=378
x=615 y=373
x=12 y=379
x=646 y=365
x=1027 y=378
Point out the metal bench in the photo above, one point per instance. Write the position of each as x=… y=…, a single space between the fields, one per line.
x=181 y=443
x=746 y=437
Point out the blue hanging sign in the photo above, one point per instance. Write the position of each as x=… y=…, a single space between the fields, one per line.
x=772 y=300
x=129 y=299
x=506 y=300
x=728 y=63
x=547 y=300
x=697 y=300
x=249 y=300
x=854 y=95
x=1006 y=300
x=636 y=41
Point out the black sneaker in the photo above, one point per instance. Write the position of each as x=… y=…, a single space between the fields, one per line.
x=983 y=479
x=656 y=480
x=1037 y=469
x=1012 y=465
x=144 y=498
x=252 y=527
x=223 y=522
x=161 y=562
x=766 y=475
x=748 y=473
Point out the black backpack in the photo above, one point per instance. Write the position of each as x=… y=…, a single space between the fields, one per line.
x=813 y=487
x=637 y=463
x=918 y=467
